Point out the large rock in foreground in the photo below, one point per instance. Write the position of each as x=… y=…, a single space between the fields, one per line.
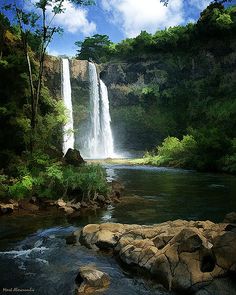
x=182 y=255
x=90 y=280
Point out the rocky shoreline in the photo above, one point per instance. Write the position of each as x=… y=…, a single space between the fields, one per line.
x=190 y=257
x=68 y=207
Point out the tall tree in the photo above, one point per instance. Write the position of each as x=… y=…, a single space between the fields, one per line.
x=32 y=16
x=95 y=47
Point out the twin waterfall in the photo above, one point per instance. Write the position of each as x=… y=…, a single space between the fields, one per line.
x=99 y=143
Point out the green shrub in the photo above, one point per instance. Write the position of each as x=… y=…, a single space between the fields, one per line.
x=21 y=188
x=3 y=185
x=173 y=152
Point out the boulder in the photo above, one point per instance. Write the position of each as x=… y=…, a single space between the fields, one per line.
x=66 y=207
x=14 y=203
x=73 y=157
x=60 y=203
x=67 y=210
x=117 y=189
x=230 y=217
x=75 y=206
x=90 y=280
x=28 y=206
x=6 y=208
x=224 y=250
x=182 y=255
x=101 y=199
x=105 y=239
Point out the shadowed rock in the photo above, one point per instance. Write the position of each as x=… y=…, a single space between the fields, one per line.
x=73 y=157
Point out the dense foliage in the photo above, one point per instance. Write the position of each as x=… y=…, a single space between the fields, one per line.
x=44 y=177
x=40 y=172
x=178 y=81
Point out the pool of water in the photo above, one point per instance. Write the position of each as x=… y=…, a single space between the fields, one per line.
x=34 y=254
x=160 y=194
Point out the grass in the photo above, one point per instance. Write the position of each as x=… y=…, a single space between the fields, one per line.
x=136 y=161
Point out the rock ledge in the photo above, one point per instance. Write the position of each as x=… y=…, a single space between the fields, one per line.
x=182 y=255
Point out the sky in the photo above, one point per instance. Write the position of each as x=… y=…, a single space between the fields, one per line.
x=120 y=19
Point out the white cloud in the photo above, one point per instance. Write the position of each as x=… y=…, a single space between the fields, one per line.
x=200 y=4
x=53 y=52
x=150 y=15
x=74 y=20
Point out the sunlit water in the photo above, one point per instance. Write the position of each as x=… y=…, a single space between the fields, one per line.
x=34 y=254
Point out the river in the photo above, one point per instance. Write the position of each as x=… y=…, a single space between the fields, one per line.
x=34 y=253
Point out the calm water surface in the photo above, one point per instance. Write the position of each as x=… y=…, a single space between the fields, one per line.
x=166 y=194
x=34 y=254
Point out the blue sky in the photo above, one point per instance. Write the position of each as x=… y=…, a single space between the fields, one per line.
x=120 y=19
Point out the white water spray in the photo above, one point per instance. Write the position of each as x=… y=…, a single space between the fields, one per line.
x=68 y=135
x=100 y=142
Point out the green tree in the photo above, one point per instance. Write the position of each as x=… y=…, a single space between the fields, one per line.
x=35 y=21
x=96 y=48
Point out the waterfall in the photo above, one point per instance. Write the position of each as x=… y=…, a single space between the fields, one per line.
x=106 y=136
x=100 y=142
x=68 y=135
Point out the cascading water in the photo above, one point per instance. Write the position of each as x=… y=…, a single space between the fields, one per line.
x=93 y=141
x=106 y=136
x=100 y=142
x=68 y=135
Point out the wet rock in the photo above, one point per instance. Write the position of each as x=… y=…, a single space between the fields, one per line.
x=230 y=217
x=33 y=200
x=73 y=157
x=117 y=189
x=101 y=199
x=105 y=239
x=84 y=205
x=6 y=208
x=90 y=280
x=225 y=251
x=67 y=210
x=60 y=203
x=182 y=255
x=49 y=203
x=14 y=203
x=75 y=206
x=221 y=286
x=66 y=207
x=71 y=239
x=87 y=237
x=27 y=206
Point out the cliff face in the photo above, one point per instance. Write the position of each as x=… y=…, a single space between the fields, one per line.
x=169 y=92
x=79 y=69
x=52 y=70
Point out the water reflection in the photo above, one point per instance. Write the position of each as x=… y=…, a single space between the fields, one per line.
x=158 y=194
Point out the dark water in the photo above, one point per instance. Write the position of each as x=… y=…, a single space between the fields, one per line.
x=34 y=254
x=43 y=262
x=167 y=194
